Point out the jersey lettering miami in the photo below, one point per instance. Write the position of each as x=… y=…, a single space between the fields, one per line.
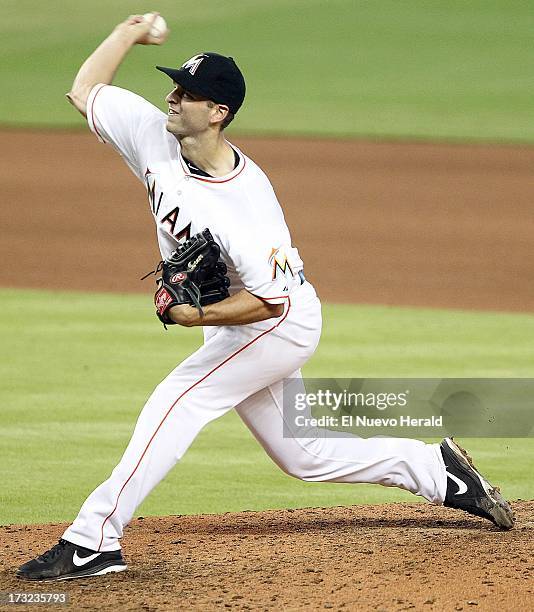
x=240 y=209
x=175 y=225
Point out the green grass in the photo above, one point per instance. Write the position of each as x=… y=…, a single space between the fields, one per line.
x=387 y=68
x=78 y=367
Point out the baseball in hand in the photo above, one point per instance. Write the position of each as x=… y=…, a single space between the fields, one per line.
x=159 y=27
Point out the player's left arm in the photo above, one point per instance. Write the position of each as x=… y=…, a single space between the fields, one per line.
x=239 y=309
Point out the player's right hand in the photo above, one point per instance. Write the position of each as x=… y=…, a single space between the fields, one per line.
x=138 y=28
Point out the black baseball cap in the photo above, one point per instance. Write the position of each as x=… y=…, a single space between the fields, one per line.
x=211 y=76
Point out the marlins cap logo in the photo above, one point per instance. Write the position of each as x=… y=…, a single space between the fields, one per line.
x=192 y=64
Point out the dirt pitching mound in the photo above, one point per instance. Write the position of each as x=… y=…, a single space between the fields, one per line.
x=387 y=557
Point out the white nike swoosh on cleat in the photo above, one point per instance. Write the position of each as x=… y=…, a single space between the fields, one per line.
x=80 y=561
x=462 y=487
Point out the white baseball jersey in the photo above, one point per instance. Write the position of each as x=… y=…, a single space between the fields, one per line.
x=240 y=209
x=242 y=366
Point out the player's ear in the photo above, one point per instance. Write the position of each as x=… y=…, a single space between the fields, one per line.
x=220 y=113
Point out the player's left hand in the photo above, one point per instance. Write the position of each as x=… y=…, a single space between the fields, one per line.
x=192 y=275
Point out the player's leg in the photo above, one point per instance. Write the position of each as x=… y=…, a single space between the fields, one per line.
x=395 y=462
x=234 y=363
x=441 y=473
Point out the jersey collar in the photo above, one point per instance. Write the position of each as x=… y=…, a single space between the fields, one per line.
x=217 y=179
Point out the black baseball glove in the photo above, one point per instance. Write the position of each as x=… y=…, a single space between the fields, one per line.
x=192 y=274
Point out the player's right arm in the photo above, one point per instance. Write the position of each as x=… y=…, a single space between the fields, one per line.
x=102 y=64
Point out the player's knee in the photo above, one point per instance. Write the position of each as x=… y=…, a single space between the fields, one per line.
x=296 y=471
x=301 y=465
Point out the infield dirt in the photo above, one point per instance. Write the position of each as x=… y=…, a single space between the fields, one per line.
x=403 y=224
x=377 y=223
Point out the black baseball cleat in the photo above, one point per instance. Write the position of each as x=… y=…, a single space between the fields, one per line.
x=468 y=490
x=66 y=560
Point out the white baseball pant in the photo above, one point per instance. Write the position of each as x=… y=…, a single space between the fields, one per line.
x=243 y=367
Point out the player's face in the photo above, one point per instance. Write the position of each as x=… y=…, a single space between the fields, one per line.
x=188 y=113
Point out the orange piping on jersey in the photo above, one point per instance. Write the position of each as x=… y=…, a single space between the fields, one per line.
x=93 y=113
x=174 y=404
x=276 y=297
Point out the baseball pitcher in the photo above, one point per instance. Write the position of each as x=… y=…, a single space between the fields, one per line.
x=229 y=265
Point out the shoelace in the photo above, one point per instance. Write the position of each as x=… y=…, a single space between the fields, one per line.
x=159 y=268
x=54 y=552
